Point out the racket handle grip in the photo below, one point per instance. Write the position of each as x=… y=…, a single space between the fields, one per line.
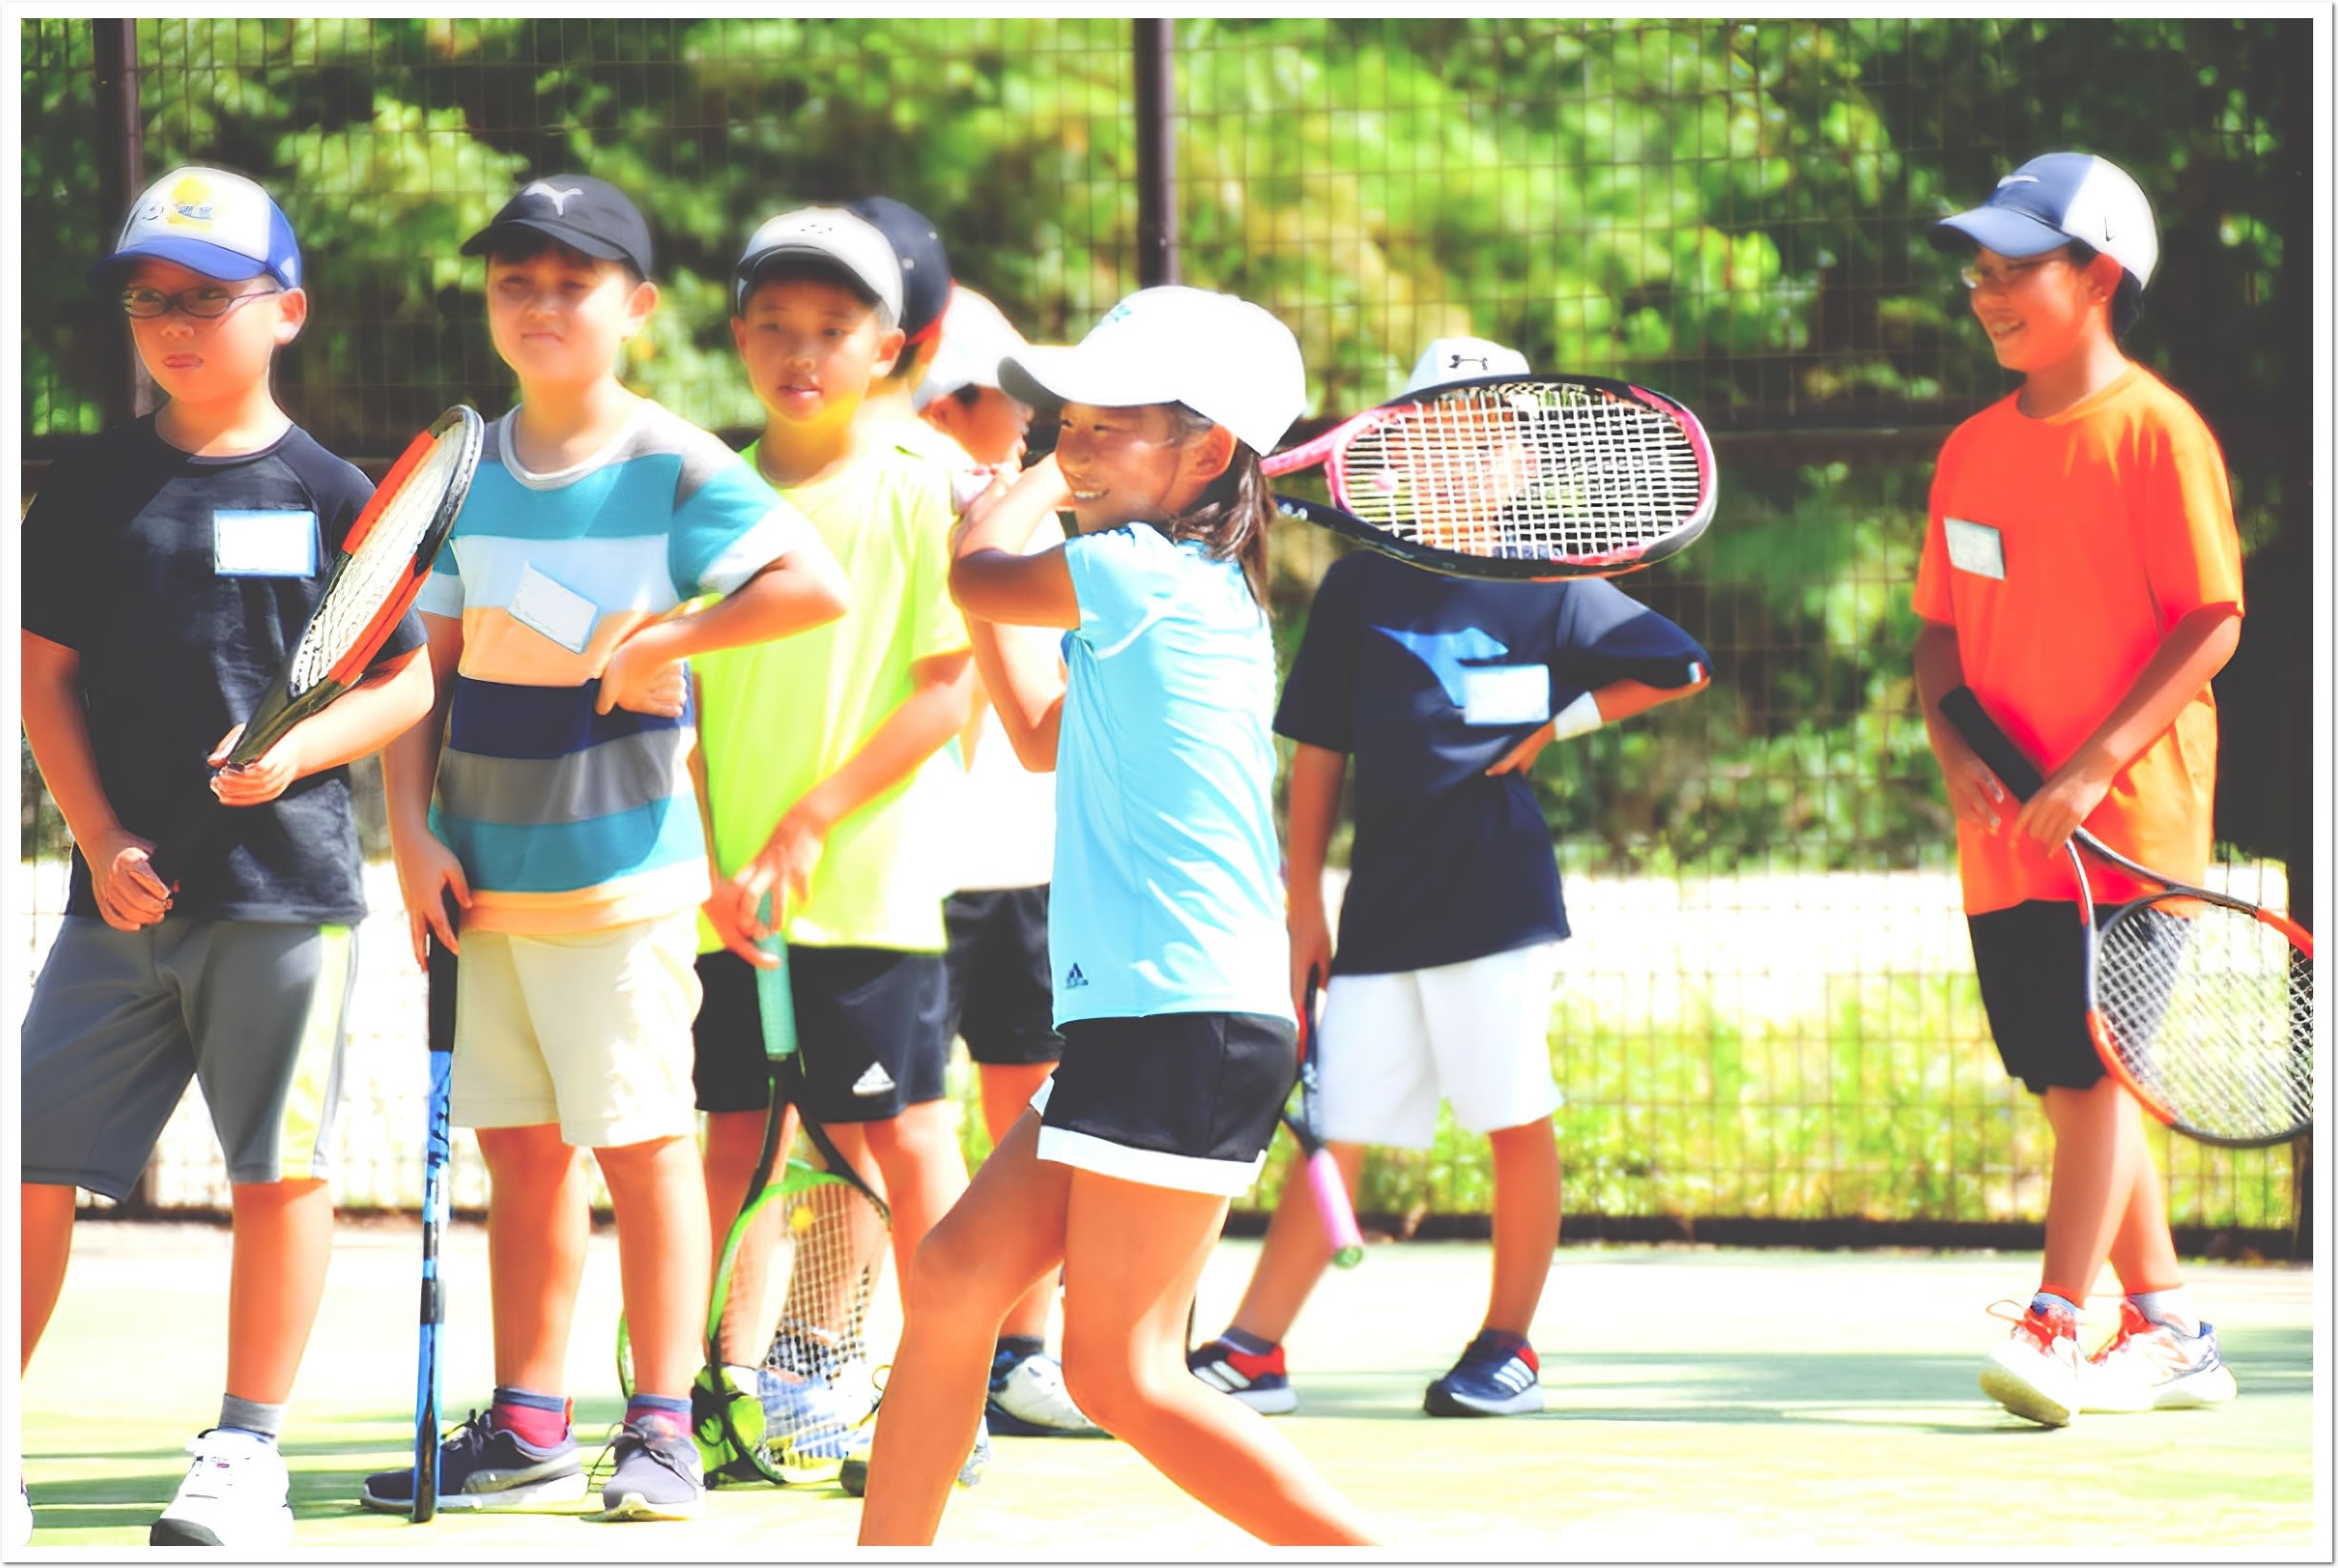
x=1991 y=744
x=1331 y=1202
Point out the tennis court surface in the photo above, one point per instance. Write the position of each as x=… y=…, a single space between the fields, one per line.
x=1704 y=1404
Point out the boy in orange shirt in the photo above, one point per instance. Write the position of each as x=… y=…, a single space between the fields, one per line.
x=2082 y=575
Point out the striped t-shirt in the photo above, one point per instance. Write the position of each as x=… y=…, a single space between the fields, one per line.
x=567 y=820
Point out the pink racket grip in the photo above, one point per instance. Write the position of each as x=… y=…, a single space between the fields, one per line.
x=1331 y=1202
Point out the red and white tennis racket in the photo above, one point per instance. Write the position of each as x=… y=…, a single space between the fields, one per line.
x=2200 y=1002
x=1516 y=476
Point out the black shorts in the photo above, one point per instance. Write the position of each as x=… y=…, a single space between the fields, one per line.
x=1002 y=995
x=868 y=1031
x=1185 y=1100
x=2030 y=961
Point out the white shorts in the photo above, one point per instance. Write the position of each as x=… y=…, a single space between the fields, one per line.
x=1477 y=1034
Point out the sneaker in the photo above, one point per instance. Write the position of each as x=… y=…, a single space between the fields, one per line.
x=2034 y=1371
x=854 y=1476
x=1027 y=1399
x=483 y=1467
x=1258 y=1381
x=2149 y=1366
x=657 y=1474
x=234 y=1494
x=19 y=1518
x=1496 y=1375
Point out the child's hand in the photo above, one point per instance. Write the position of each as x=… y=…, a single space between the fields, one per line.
x=130 y=895
x=2068 y=799
x=255 y=783
x=968 y=485
x=1310 y=949
x=639 y=681
x=721 y=911
x=1974 y=794
x=426 y=871
x=1520 y=758
x=784 y=871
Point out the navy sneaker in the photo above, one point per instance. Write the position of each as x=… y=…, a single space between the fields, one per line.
x=1496 y=1375
x=657 y=1475
x=483 y=1467
x=1258 y=1381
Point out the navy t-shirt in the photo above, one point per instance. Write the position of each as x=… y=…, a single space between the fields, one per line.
x=1426 y=682
x=183 y=582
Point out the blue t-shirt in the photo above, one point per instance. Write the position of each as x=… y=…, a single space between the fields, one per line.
x=1426 y=682
x=1168 y=893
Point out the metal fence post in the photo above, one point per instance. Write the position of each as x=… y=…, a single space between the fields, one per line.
x=121 y=174
x=1156 y=236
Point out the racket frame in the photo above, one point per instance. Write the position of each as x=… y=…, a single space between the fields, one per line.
x=437 y=1156
x=1322 y=1171
x=1963 y=710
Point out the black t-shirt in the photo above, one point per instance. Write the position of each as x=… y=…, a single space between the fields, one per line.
x=1426 y=682
x=183 y=582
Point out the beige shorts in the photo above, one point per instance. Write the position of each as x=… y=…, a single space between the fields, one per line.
x=590 y=1030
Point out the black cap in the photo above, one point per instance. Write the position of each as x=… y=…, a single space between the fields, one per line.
x=926 y=270
x=586 y=214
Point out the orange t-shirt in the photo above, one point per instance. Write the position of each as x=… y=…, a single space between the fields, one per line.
x=2063 y=550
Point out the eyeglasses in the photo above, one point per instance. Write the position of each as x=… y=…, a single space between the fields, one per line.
x=2010 y=275
x=206 y=302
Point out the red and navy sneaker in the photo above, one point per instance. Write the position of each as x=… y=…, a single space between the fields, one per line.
x=1258 y=1381
x=1496 y=1375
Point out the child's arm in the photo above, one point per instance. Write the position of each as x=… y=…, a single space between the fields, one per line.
x=1974 y=795
x=719 y=903
x=1316 y=777
x=991 y=577
x=1610 y=704
x=425 y=868
x=129 y=893
x=386 y=704
x=1024 y=678
x=2187 y=659
x=802 y=589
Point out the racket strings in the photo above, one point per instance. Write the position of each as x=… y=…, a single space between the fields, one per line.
x=365 y=577
x=832 y=1246
x=1531 y=470
x=2210 y=1010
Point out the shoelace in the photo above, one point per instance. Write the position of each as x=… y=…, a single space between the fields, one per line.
x=2027 y=1323
x=654 y=1440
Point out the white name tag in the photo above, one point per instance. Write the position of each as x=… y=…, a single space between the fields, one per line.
x=1502 y=694
x=561 y=614
x=1975 y=547
x=273 y=544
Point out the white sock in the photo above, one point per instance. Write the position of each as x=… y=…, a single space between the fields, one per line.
x=2171 y=1308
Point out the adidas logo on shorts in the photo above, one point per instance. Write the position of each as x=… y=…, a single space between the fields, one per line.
x=874 y=1081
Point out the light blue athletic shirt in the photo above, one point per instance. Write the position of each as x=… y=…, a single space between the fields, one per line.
x=1168 y=891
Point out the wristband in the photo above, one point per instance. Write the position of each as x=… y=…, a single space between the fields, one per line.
x=1579 y=717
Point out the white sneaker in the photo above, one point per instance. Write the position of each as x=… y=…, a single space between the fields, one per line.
x=19 y=1518
x=1027 y=1399
x=2150 y=1367
x=234 y=1494
x=2034 y=1371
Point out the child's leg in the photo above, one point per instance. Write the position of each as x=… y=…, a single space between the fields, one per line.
x=733 y=1142
x=1007 y=1089
x=538 y=1219
x=47 y=1242
x=1294 y=1255
x=1006 y=1233
x=663 y=1256
x=2099 y=1146
x=283 y=1243
x=1133 y=1256
x=2142 y=1249
x=924 y=1170
x=1525 y=1221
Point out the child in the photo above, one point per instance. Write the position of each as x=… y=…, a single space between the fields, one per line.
x=1164 y=930
x=168 y=570
x=1000 y=998
x=2082 y=574
x=566 y=825
x=1449 y=931
x=811 y=748
x=927 y=290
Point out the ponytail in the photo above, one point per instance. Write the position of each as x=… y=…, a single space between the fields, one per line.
x=1230 y=519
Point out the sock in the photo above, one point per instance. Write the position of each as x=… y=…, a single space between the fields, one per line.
x=539 y=1420
x=1502 y=1340
x=672 y=1415
x=2171 y=1307
x=1249 y=1345
x=2051 y=1302
x=1021 y=1347
x=262 y=1421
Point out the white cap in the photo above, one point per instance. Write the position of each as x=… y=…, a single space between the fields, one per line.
x=854 y=243
x=1222 y=358
x=975 y=336
x=211 y=221
x=2058 y=198
x=1463 y=359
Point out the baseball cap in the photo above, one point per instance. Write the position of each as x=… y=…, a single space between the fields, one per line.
x=211 y=221
x=975 y=336
x=1462 y=359
x=2053 y=200
x=581 y=212
x=925 y=266
x=829 y=234
x=1220 y=356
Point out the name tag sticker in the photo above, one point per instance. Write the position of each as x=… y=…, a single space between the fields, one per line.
x=1502 y=694
x=271 y=543
x=1975 y=547
x=561 y=614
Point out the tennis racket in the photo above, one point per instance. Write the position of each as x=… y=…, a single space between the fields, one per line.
x=1515 y=477
x=2199 y=1002
x=372 y=582
x=1323 y=1173
x=436 y=1156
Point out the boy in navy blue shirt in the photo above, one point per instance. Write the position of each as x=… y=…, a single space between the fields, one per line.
x=1443 y=691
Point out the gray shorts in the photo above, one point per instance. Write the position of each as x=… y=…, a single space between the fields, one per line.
x=255 y=1010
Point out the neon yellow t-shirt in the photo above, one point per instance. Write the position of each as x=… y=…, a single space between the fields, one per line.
x=778 y=717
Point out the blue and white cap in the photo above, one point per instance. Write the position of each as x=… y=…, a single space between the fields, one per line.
x=2053 y=200
x=209 y=221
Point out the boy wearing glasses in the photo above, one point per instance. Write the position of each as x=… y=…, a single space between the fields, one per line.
x=167 y=570
x=2082 y=574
